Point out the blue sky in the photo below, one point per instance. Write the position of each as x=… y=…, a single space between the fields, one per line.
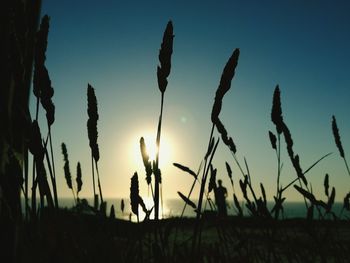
x=301 y=45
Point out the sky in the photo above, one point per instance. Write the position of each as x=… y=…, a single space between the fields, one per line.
x=301 y=45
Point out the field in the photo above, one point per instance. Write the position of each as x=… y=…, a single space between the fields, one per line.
x=42 y=231
x=71 y=237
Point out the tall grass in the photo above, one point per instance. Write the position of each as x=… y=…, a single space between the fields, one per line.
x=338 y=142
x=163 y=72
x=79 y=180
x=43 y=92
x=66 y=169
x=233 y=242
x=92 y=134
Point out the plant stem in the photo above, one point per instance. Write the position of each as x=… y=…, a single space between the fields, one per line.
x=53 y=180
x=347 y=167
x=33 y=190
x=199 y=206
x=93 y=178
x=26 y=177
x=278 y=152
x=238 y=164
x=157 y=175
x=53 y=169
x=98 y=182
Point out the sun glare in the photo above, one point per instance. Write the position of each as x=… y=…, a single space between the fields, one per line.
x=165 y=151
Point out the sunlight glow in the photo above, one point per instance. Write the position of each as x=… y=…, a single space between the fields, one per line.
x=165 y=152
x=150 y=205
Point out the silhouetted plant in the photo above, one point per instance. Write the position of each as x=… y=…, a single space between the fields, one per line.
x=195 y=175
x=38 y=151
x=326 y=206
x=229 y=173
x=163 y=72
x=187 y=200
x=122 y=205
x=79 y=180
x=281 y=128
x=43 y=91
x=92 y=134
x=112 y=213
x=224 y=86
x=39 y=60
x=338 y=142
x=147 y=163
x=135 y=198
x=66 y=169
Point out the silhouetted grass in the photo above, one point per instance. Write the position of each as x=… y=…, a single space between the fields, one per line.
x=76 y=235
x=92 y=134
x=163 y=72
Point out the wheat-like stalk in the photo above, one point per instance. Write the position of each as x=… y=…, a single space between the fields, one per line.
x=338 y=142
x=44 y=92
x=92 y=122
x=146 y=161
x=134 y=195
x=78 y=179
x=40 y=57
x=225 y=84
x=273 y=140
x=276 y=112
x=66 y=169
x=165 y=53
x=67 y=173
x=337 y=137
x=212 y=179
x=163 y=72
x=93 y=134
x=38 y=151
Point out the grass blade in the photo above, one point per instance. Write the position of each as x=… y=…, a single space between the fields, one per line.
x=187 y=200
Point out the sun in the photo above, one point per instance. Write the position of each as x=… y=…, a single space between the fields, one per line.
x=165 y=149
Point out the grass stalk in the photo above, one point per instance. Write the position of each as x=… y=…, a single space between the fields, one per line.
x=26 y=178
x=347 y=166
x=163 y=72
x=54 y=186
x=93 y=180
x=51 y=177
x=201 y=193
x=98 y=182
x=34 y=185
x=157 y=178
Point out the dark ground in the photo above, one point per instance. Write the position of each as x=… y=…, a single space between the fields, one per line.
x=71 y=237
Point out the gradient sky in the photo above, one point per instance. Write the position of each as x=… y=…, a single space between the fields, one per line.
x=301 y=45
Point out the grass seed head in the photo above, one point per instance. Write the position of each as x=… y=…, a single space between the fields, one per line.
x=41 y=41
x=276 y=112
x=187 y=200
x=67 y=173
x=78 y=179
x=273 y=140
x=134 y=194
x=227 y=140
x=35 y=144
x=39 y=55
x=337 y=137
x=92 y=122
x=185 y=169
x=326 y=184
x=225 y=84
x=165 y=53
x=212 y=179
x=146 y=162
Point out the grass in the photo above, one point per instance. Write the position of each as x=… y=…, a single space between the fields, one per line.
x=49 y=232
